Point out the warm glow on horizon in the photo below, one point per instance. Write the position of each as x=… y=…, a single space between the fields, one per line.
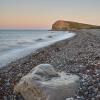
x=42 y=14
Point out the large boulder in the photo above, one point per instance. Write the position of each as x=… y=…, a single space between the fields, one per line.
x=44 y=83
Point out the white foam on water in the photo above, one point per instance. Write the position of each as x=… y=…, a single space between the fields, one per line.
x=18 y=53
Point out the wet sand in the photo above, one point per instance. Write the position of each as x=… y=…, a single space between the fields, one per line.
x=78 y=55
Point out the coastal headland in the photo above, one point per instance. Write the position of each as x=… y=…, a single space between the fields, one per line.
x=62 y=25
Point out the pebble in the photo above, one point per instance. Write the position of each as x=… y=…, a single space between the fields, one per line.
x=19 y=75
x=98 y=97
x=70 y=98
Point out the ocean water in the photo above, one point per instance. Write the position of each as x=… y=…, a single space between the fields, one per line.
x=15 y=44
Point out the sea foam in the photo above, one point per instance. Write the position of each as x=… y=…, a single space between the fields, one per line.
x=25 y=45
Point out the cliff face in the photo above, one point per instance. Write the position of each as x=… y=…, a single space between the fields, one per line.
x=68 y=25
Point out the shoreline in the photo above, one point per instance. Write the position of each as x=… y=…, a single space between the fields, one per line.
x=41 y=42
x=72 y=55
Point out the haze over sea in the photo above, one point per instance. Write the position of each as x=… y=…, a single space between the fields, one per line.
x=15 y=44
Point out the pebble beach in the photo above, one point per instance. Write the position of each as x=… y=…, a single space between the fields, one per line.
x=78 y=55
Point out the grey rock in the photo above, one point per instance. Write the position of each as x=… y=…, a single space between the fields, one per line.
x=44 y=83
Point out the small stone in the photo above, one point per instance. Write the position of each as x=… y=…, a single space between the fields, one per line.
x=7 y=83
x=70 y=98
x=98 y=97
x=98 y=86
x=93 y=99
x=5 y=98
x=19 y=75
x=80 y=92
x=97 y=71
x=86 y=93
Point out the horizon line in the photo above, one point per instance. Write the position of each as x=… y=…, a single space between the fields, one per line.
x=24 y=28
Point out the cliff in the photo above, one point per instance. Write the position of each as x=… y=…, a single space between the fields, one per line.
x=69 y=25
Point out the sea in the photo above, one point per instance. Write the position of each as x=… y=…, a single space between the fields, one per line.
x=15 y=44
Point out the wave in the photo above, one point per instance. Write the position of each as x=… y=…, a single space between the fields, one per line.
x=17 y=53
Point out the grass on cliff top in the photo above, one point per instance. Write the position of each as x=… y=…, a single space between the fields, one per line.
x=83 y=26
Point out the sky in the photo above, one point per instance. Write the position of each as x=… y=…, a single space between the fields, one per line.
x=41 y=14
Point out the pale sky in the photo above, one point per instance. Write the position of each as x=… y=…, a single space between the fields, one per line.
x=43 y=13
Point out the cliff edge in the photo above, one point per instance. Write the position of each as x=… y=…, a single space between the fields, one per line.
x=62 y=25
